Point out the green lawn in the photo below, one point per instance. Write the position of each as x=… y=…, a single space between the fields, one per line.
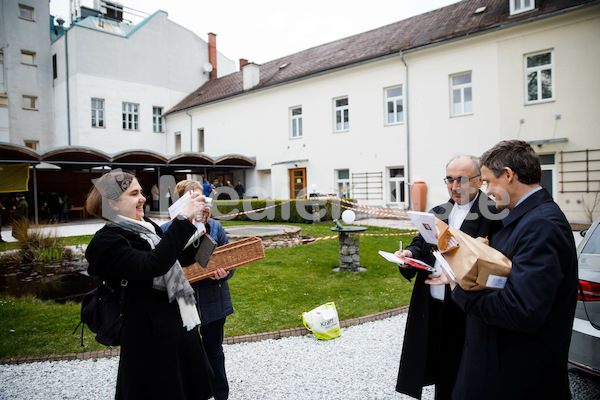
x=268 y=295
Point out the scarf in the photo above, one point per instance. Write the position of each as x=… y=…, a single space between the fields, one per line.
x=174 y=281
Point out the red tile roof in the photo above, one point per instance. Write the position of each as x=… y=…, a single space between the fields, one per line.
x=450 y=22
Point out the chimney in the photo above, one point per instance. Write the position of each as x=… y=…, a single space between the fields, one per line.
x=212 y=55
x=250 y=75
x=243 y=62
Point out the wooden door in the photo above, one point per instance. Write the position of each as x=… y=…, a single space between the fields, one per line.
x=298 y=183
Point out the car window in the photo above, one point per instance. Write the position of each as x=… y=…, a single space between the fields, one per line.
x=593 y=244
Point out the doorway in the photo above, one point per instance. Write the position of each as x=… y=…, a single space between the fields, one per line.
x=298 y=183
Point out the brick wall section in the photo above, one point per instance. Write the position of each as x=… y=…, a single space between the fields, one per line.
x=114 y=352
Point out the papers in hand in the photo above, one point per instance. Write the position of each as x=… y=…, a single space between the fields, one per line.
x=405 y=260
x=176 y=209
x=425 y=223
x=440 y=257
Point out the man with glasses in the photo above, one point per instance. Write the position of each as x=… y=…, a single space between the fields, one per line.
x=435 y=328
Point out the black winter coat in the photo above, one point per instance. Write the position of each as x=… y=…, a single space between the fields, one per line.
x=160 y=359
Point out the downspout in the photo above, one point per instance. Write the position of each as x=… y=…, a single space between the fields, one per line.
x=190 y=115
x=408 y=168
x=67 y=84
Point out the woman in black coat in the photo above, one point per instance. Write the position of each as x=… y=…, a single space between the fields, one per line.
x=162 y=356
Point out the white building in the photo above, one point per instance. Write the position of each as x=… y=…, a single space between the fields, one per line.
x=26 y=103
x=368 y=115
x=114 y=80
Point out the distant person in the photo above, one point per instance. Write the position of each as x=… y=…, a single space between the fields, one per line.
x=1 y=211
x=213 y=301
x=517 y=338
x=162 y=356
x=54 y=206
x=21 y=208
x=65 y=207
x=206 y=188
x=435 y=328
x=239 y=189
x=155 y=197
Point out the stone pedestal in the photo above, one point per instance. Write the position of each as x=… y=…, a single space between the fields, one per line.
x=349 y=253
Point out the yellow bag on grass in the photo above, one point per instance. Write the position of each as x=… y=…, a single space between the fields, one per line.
x=323 y=321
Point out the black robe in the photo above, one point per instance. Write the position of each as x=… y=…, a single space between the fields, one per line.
x=160 y=359
x=432 y=349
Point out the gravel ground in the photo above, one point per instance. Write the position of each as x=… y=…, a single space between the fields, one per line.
x=361 y=364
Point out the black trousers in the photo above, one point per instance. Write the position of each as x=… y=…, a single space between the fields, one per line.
x=212 y=338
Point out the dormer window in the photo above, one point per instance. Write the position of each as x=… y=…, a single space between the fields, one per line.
x=520 y=6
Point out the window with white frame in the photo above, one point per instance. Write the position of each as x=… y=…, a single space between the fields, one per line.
x=394 y=105
x=157 y=119
x=25 y=12
x=27 y=57
x=539 y=77
x=29 y=102
x=201 y=140
x=396 y=186
x=548 y=164
x=461 y=94
x=295 y=122
x=98 y=113
x=342 y=183
x=2 y=89
x=130 y=116
x=519 y=6
x=341 y=114
x=177 y=142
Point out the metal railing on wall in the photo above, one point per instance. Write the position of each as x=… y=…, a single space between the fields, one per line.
x=580 y=171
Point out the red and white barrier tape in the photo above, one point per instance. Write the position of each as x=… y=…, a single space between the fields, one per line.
x=371 y=212
x=251 y=211
x=336 y=236
x=394 y=213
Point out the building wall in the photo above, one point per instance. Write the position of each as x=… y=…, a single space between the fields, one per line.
x=257 y=124
x=144 y=68
x=17 y=35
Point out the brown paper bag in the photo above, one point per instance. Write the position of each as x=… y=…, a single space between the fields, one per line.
x=477 y=266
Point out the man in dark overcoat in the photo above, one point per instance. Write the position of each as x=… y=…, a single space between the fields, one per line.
x=435 y=328
x=517 y=338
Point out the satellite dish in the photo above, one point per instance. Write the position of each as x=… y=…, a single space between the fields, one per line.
x=207 y=67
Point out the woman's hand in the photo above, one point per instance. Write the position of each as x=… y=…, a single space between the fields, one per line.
x=194 y=207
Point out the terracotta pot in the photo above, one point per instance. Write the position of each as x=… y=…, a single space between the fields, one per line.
x=418 y=195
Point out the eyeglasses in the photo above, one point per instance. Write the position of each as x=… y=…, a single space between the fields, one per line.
x=461 y=180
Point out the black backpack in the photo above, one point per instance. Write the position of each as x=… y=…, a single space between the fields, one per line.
x=102 y=312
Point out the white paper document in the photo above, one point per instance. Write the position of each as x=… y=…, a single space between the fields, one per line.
x=405 y=260
x=176 y=208
x=439 y=256
x=425 y=223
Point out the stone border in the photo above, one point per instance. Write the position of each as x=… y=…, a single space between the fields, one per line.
x=110 y=352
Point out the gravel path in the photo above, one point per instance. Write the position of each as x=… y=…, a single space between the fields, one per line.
x=361 y=364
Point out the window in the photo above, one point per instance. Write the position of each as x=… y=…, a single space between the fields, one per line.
x=519 y=6
x=548 y=172
x=201 y=140
x=32 y=144
x=98 y=113
x=157 y=119
x=2 y=90
x=394 y=105
x=29 y=102
x=130 y=116
x=396 y=193
x=296 y=122
x=539 y=78
x=342 y=183
x=27 y=57
x=341 y=115
x=54 y=67
x=461 y=94
x=26 y=12
x=177 y=142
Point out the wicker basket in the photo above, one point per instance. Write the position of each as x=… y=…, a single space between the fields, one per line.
x=228 y=257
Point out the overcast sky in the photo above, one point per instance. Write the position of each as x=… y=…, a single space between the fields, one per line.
x=264 y=30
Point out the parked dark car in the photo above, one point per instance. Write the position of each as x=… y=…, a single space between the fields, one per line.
x=584 y=353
